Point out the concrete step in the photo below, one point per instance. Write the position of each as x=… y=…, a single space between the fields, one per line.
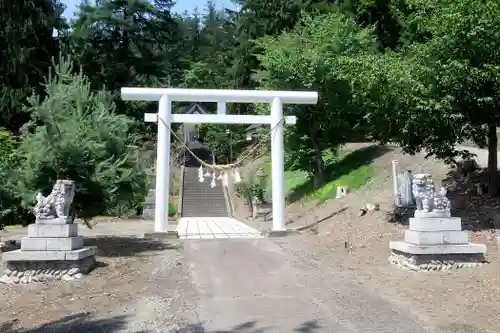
x=198 y=195
x=205 y=214
x=204 y=207
x=211 y=209
x=203 y=203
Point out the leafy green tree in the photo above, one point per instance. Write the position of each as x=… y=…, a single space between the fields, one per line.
x=317 y=56
x=226 y=142
x=444 y=88
x=76 y=134
x=259 y=18
x=464 y=51
x=400 y=103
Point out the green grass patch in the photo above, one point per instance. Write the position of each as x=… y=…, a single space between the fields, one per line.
x=352 y=169
x=353 y=179
x=16 y=226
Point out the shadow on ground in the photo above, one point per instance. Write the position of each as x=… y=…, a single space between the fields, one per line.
x=401 y=214
x=323 y=219
x=468 y=193
x=310 y=326
x=117 y=246
x=78 y=323
x=352 y=161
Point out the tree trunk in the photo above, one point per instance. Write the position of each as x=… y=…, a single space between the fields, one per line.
x=319 y=167
x=492 y=159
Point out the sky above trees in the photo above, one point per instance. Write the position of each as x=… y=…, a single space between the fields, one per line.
x=181 y=6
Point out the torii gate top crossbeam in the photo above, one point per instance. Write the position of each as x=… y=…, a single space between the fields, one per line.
x=218 y=95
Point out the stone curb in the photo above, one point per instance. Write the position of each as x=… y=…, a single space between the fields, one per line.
x=161 y=235
x=281 y=233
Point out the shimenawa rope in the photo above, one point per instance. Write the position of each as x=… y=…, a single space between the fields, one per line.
x=219 y=167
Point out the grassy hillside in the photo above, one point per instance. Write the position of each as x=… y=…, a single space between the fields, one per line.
x=351 y=168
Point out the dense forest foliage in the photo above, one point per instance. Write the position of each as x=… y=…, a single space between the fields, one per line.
x=422 y=74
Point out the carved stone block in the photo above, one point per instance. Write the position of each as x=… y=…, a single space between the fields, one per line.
x=51 y=244
x=52 y=230
x=436 y=224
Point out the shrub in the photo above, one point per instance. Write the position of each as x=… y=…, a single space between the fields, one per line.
x=172 y=210
x=11 y=210
x=252 y=187
x=8 y=143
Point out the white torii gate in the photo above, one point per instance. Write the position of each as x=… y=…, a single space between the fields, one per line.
x=166 y=96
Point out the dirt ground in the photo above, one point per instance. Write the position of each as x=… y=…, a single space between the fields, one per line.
x=99 y=302
x=461 y=301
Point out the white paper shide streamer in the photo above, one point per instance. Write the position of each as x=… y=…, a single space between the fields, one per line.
x=223 y=176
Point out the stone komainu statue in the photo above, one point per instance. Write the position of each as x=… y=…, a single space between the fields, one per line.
x=427 y=198
x=55 y=206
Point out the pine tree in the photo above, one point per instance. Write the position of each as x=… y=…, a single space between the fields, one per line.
x=75 y=134
x=117 y=45
x=28 y=44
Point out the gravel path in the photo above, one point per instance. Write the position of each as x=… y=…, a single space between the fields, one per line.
x=244 y=286
x=164 y=302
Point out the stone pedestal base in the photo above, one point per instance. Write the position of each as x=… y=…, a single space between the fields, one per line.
x=438 y=249
x=436 y=262
x=436 y=243
x=41 y=266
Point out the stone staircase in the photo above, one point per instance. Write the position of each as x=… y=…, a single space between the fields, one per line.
x=148 y=210
x=199 y=199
